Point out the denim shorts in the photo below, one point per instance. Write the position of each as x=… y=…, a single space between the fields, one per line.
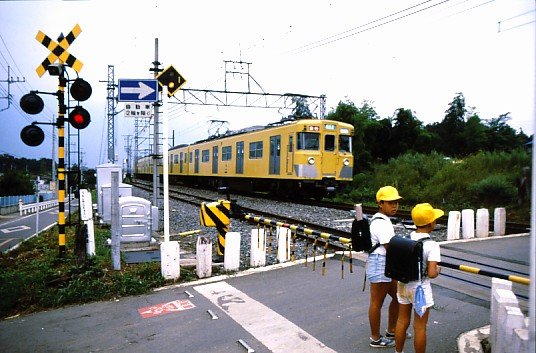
x=376 y=269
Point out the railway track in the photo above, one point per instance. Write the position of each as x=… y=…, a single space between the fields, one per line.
x=402 y=215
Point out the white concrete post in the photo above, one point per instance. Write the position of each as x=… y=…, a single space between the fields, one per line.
x=258 y=248
x=520 y=341
x=496 y=283
x=116 y=222
x=86 y=215
x=453 y=226
x=170 y=259
x=499 y=221
x=468 y=224
x=231 y=258
x=203 y=257
x=283 y=244
x=511 y=318
x=358 y=208
x=482 y=223
x=501 y=298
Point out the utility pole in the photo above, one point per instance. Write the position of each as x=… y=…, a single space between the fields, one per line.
x=9 y=81
x=128 y=150
x=156 y=155
x=111 y=114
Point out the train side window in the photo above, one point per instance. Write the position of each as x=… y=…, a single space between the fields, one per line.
x=226 y=153
x=345 y=143
x=175 y=159
x=255 y=150
x=205 y=156
x=308 y=141
x=291 y=143
x=329 y=143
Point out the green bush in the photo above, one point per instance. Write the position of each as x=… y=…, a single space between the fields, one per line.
x=487 y=179
x=493 y=190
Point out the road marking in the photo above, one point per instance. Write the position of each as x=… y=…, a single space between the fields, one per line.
x=6 y=241
x=278 y=334
x=165 y=308
x=14 y=229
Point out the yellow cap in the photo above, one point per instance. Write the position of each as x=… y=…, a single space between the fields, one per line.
x=423 y=214
x=387 y=193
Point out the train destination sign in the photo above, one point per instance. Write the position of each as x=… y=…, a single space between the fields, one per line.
x=138 y=90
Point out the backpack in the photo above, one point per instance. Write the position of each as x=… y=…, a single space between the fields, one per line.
x=404 y=259
x=361 y=235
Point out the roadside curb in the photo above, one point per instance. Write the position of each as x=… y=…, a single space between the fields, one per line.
x=470 y=341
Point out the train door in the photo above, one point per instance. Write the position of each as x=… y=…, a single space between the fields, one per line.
x=330 y=158
x=275 y=155
x=196 y=162
x=181 y=162
x=290 y=154
x=215 y=160
x=240 y=157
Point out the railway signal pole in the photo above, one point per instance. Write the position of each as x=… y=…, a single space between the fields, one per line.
x=31 y=103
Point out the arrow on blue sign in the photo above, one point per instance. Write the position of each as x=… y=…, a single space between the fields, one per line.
x=134 y=90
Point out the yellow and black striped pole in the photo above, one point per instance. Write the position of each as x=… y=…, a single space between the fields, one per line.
x=478 y=271
x=217 y=214
x=61 y=164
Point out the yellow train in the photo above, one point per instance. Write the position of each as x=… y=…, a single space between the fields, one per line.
x=301 y=158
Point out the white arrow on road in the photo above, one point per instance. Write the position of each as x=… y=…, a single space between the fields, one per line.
x=142 y=91
x=14 y=229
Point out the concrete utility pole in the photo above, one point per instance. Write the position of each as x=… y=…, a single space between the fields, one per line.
x=9 y=81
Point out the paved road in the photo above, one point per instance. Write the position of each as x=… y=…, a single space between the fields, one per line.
x=15 y=228
x=282 y=308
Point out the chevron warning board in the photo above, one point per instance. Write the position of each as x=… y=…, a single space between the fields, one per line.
x=58 y=51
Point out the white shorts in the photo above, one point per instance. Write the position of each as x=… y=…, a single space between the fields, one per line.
x=406 y=293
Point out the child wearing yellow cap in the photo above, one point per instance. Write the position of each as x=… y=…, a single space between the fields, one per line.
x=424 y=217
x=381 y=232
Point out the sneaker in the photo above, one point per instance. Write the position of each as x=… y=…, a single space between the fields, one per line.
x=382 y=342
x=392 y=335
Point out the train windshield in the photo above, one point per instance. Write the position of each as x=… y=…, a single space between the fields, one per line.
x=308 y=141
x=345 y=143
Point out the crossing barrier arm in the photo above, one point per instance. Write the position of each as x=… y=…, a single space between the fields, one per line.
x=478 y=271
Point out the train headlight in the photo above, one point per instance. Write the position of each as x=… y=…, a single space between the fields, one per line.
x=346 y=162
x=311 y=160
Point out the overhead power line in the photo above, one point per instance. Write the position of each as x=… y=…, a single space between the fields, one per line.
x=358 y=30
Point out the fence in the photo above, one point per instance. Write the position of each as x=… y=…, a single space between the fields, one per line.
x=6 y=201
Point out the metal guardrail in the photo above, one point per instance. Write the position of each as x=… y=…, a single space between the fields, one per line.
x=33 y=207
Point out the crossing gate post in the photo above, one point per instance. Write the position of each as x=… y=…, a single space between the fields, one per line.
x=217 y=214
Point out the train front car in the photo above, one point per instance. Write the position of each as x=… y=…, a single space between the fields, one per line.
x=321 y=157
x=302 y=158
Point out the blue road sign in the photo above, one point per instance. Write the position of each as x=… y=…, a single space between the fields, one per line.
x=138 y=90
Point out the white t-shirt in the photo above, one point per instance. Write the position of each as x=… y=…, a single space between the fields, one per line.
x=430 y=252
x=381 y=231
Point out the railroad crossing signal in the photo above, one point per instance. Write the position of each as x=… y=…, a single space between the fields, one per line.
x=59 y=51
x=79 y=118
x=171 y=78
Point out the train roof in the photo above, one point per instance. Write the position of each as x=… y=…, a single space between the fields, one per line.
x=284 y=121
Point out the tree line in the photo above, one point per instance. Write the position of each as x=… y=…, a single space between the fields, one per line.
x=461 y=133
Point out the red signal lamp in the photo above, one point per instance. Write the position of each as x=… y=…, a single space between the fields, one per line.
x=79 y=118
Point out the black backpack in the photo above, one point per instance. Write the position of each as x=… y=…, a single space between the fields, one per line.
x=361 y=235
x=404 y=259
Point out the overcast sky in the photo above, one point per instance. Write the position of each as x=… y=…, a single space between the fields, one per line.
x=394 y=53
